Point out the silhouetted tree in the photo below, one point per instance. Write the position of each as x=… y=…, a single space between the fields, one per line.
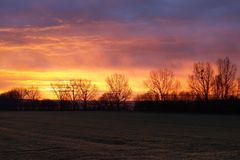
x=106 y=101
x=201 y=79
x=61 y=91
x=119 y=90
x=20 y=93
x=32 y=93
x=14 y=98
x=74 y=91
x=83 y=90
x=161 y=83
x=226 y=77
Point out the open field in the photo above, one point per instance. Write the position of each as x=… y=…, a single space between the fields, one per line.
x=117 y=135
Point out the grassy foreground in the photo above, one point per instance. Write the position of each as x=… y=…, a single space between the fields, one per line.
x=117 y=135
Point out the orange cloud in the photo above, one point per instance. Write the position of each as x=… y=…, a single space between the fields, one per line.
x=33 y=55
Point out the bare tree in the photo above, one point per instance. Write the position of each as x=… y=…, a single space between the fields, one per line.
x=16 y=97
x=119 y=89
x=83 y=90
x=201 y=80
x=226 y=77
x=74 y=91
x=20 y=93
x=161 y=83
x=61 y=90
x=32 y=93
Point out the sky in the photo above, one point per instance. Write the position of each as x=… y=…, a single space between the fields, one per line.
x=49 y=40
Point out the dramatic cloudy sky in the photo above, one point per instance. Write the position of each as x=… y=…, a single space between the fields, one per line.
x=46 y=40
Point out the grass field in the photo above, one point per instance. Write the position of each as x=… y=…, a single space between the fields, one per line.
x=117 y=135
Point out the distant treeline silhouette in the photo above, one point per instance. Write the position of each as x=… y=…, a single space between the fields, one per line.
x=209 y=93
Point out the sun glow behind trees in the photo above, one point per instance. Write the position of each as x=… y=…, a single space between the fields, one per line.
x=43 y=79
x=137 y=80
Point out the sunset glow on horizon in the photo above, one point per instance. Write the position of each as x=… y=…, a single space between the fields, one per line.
x=46 y=41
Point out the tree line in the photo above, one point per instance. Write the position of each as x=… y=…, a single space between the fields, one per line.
x=207 y=89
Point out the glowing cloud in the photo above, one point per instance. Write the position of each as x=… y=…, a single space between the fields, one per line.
x=44 y=41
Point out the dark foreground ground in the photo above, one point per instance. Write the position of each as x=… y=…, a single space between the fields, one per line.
x=117 y=135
